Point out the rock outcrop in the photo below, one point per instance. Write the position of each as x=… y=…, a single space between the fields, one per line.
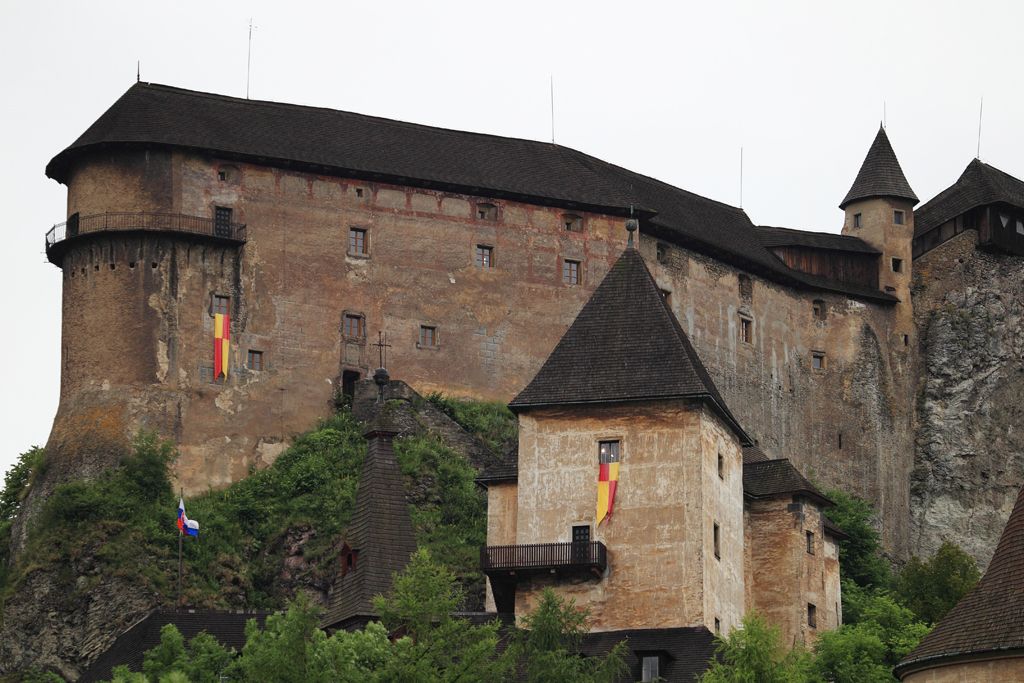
x=969 y=454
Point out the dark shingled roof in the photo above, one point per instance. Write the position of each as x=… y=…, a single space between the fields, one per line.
x=354 y=145
x=504 y=469
x=625 y=345
x=978 y=185
x=771 y=236
x=770 y=478
x=989 y=619
x=754 y=454
x=128 y=649
x=381 y=532
x=880 y=175
x=687 y=651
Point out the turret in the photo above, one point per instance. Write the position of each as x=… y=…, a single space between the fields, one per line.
x=880 y=210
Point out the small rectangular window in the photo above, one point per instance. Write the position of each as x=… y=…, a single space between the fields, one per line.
x=856 y=220
x=897 y=265
x=746 y=330
x=571 y=272
x=716 y=538
x=484 y=256
x=487 y=212
x=810 y=542
x=572 y=222
x=897 y=217
x=353 y=326
x=661 y=252
x=721 y=466
x=221 y=304
x=651 y=670
x=906 y=340
x=718 y=625
x=222 y=175
x=817 y=360
x=819 y=310
x=428 y=336
x=357 y=241
x=812 y=616
x=254 y=360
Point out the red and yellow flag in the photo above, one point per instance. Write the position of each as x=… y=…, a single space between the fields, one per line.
x=607 y=478
x=221 y=344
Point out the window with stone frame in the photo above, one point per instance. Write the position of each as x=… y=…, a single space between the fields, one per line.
x=487 y=212
x=428 y=337
x=746 y=330
x=254 y=360
x=220 y=303
x=484 y=256
x=810 y=542
x=357 y=244
x=570 y=272
x=812 y=615
x=572 y=222
x=898 y=217
x=353 y=326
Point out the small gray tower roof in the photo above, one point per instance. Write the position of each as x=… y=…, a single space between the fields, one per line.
x=880 y=175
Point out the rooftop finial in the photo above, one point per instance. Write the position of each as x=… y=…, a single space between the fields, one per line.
x=631 y=226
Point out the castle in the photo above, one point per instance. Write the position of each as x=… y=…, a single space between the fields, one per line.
x=302 y=232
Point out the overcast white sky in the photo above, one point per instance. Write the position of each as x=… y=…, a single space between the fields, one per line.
x=672 y=90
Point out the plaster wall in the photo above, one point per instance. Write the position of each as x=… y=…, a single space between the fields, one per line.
x=785 y=577
x=659 y=539
x=989 y=671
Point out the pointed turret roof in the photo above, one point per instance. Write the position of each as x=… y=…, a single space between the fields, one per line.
x=625 y=345
x=880 y=175
x=380 y=533
x=989 y=619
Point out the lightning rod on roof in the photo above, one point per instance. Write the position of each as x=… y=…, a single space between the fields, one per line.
x=981 y=109
x=248 y=59
x=552 y=108
x=138 y=70
x=884 y=117
x=741 y=176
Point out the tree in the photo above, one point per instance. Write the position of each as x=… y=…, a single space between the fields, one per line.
x=549 y=645
x=754 y=654
x=168 y=656
x=860 y=558
x=932 y=587
x=280 y=651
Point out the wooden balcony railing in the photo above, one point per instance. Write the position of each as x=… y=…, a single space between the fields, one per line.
x=203 y=226
x=590 y=556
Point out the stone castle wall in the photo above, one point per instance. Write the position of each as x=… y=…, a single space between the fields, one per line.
x=291 y=283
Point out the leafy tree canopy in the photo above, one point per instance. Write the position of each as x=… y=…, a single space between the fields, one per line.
x=932 y=587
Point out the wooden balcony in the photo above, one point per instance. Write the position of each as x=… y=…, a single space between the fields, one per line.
x=77 y=226
x=544 y=558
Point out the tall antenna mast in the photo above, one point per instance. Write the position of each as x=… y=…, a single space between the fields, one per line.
x=248 y=60
x=552 y=108
x=981 y=109
x=884 y=117
x=138 y=70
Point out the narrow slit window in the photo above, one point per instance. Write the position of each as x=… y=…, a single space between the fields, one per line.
x=810 y=542
x=856 y=220
x=254 y=360
x=721 y=466
x=570 y=272
x=661 y=252
x=717 y=540
x=718 y=625
x=484 y=256
x=812 y=615
x=357 y=241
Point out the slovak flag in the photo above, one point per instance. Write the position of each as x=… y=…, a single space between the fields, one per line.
x=189 y=527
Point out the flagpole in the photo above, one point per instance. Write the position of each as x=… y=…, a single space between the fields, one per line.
x=181 y=534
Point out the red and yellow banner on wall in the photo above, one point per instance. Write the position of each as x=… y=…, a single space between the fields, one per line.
x=607 y=478
x=221 y=344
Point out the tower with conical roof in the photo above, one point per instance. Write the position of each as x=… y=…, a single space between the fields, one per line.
x=982 y=638
x=880 y=210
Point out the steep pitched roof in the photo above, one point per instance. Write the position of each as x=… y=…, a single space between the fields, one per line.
x=625 y=345
x=978 y=185
x=381 y=532
x=129 y=647
x=771 y=236
x=880 y=175
x=770 y=478
x=323 y=140
x=989 y=619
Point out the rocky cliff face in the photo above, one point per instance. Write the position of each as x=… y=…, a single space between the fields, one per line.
x=969 y=452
